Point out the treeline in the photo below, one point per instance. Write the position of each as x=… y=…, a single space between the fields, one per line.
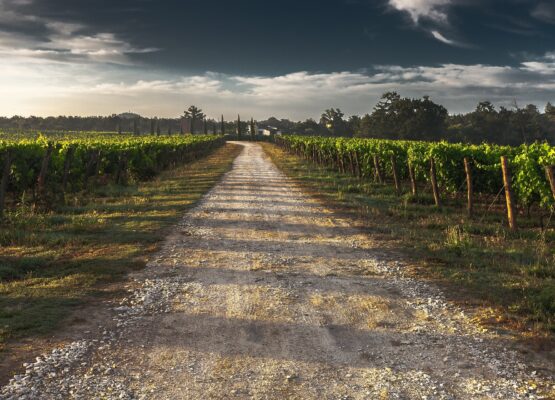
x=393 y=117
x=396 y=117
x=129 y=123
x=122 y=123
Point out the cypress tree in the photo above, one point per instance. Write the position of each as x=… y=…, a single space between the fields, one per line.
x=222 y=126
x=152 y=126
x=252 y=128
x=205 y=126
x=238 y=126
x=158 y=129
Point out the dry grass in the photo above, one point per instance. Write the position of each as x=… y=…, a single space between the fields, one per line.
x=50 y=263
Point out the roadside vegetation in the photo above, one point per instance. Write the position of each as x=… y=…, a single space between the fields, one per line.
x=509 y=277
x=53 y=260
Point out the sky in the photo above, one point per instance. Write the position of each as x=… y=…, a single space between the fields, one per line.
x=260 y=58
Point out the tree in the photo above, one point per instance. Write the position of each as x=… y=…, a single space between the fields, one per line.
x=381 y=123
x=238 y=126
x=550 y=112
x=205 y=126
x=395 y=117
x=311 y=128
x=365 y=126
x=485 y=107
x=353 y=125
x=283 y=125
x=194 y=114
x=252 y=128
x=427 y=121
x=332 y=119
x=158 y=131
x=135 y=127
x=152 y=125
x=222 y=126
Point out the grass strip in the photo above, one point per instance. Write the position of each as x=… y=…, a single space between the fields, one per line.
x=52 y=262
x=507 y=278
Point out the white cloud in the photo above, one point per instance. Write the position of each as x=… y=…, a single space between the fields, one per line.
x=544 y=66
x=443 y=39
x=432 y=12
x=43 y=87
x=204 y=85
x=418 y=9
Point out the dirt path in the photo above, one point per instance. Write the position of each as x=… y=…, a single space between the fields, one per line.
x=262 y=293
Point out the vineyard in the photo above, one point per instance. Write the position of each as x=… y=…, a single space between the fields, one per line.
x=445 y=168
x=46 y=168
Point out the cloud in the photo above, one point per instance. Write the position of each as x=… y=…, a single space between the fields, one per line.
x=443 y=39
x=430 y=15
x=434 y=10
x=27 y=36
x=205 y=85
x=544 y=12
x=56 y=88
x=544 y=65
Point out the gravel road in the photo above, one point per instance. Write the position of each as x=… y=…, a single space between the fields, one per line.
x=262 y=293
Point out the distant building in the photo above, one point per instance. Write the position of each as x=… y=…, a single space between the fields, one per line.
x=268 y=131
x=264 y=130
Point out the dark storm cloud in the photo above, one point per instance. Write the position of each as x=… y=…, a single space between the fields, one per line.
x=250 y=36
x=28 y=31
x=545 y=11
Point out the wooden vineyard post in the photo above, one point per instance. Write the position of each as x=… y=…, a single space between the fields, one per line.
x=357 y=162
x=121 y=175
x=395 y=175
x=469 y=188
x=377 y=170
x=92 y=166
x=508 y=193
x=6 y=170
x=412 y=180
x=433 y=178
x=41 y=181
x=341 y=164
x=352 y=163
x=550 y=172
x=67 y=166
